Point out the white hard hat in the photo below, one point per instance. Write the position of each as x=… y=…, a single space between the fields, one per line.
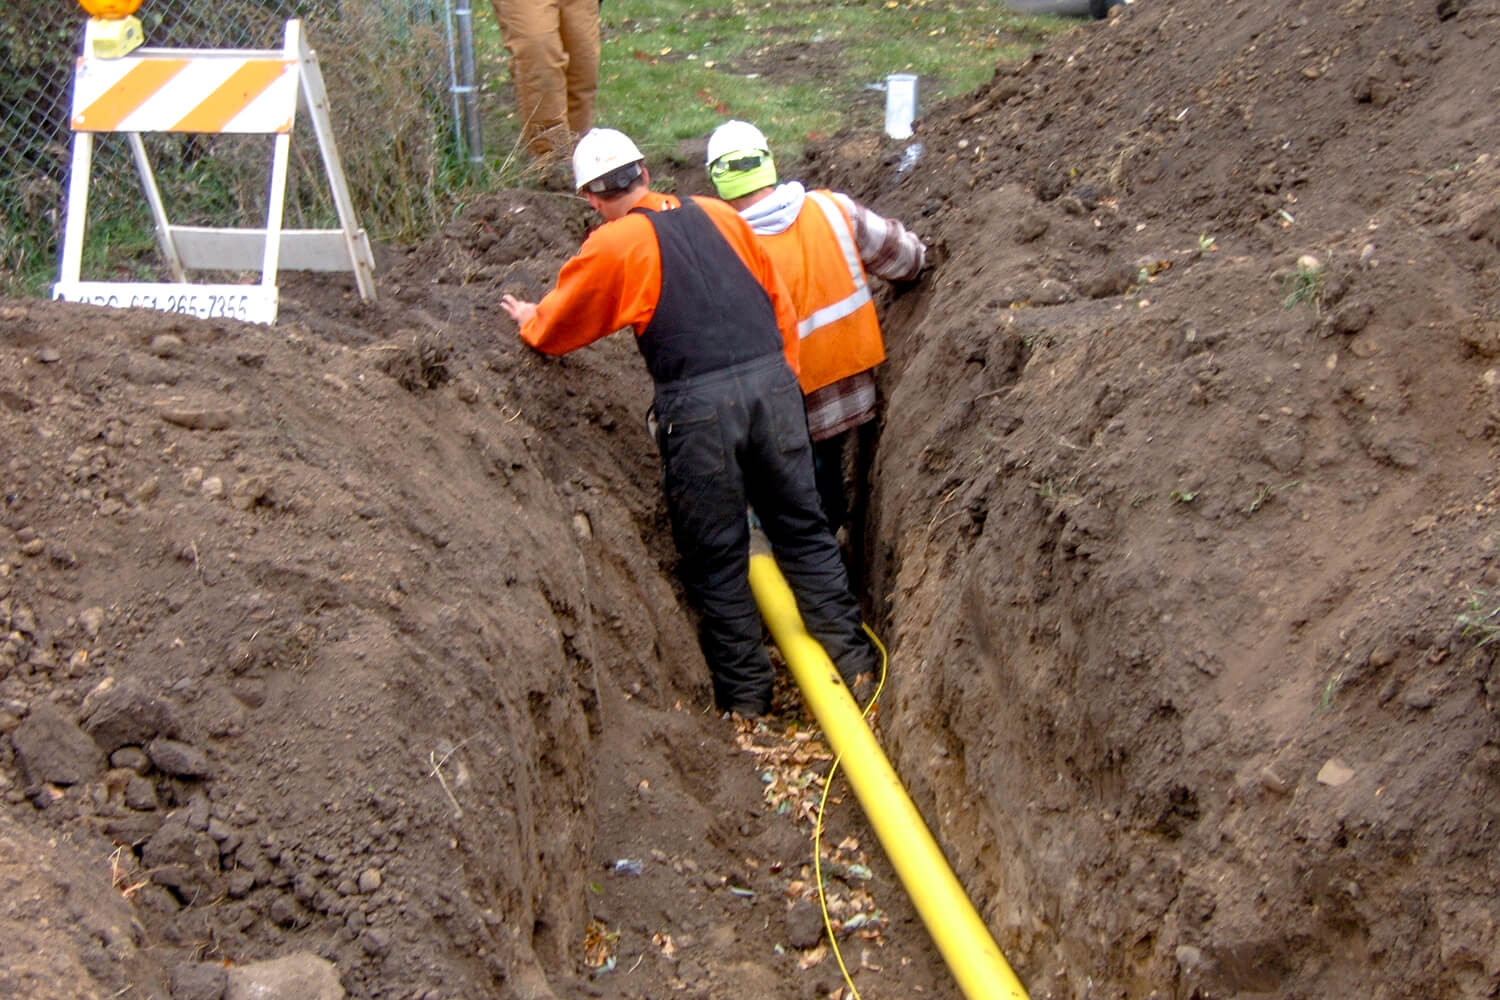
x=733 y=136
x=599 y=152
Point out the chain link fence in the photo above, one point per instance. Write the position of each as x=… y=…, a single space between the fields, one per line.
x=388 y=65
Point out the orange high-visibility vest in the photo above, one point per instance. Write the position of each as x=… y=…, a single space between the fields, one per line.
x=819 y=262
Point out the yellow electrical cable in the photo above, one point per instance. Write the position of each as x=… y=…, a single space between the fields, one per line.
x=823 y=804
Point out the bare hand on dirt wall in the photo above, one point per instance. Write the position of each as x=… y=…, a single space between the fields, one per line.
x=520 y=311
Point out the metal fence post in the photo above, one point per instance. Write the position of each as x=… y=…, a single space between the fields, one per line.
x=458 y=127
x=464 y=87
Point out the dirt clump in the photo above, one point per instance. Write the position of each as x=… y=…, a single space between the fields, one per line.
x=346 y=656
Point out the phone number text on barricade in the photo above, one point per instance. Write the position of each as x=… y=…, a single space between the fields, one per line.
x=248 y=303
x=201 y=305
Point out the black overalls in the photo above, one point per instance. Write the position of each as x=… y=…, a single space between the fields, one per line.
x=732 y=431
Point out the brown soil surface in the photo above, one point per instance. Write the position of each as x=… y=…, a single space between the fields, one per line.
x=357 y=638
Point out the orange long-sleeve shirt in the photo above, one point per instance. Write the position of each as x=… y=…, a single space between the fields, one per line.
x=614 y=281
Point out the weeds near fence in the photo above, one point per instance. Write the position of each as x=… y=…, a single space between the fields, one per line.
x=672 y=70
x=392 y=127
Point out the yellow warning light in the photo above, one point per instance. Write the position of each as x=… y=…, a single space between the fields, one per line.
x=111 y=31
x=110 y=10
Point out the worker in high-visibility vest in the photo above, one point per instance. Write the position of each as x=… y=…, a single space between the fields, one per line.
x=824 y=244
x=717 y=330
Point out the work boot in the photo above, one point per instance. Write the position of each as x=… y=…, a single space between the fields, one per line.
x=749 y=708
x=744 y=713
x=551 y=172
x=551 y=166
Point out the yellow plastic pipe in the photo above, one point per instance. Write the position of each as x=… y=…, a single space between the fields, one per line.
x=960 y=935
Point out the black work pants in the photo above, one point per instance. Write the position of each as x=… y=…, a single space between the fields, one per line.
x=828 y=466
x=730 y=438
x=847 y=452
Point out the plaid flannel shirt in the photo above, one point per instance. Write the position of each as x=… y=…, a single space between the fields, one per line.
x=887 y=249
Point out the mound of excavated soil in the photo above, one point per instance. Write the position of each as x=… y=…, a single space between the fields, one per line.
x=1173 y=540
x=354 y=643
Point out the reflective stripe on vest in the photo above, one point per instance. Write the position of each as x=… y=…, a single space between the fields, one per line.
x=851 y=303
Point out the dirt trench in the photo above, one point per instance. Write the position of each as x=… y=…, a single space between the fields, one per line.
x=1182 y=557
x=1173 y=535
x=355 y=642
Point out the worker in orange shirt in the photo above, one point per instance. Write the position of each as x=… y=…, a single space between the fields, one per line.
x=713 y=321
x=824 y=245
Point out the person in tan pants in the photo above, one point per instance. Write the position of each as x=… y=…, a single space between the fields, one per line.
x=554 y=63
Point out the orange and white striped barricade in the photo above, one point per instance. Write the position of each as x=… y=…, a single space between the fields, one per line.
x=250 y=92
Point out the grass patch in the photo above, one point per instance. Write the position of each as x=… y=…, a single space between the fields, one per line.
x=672 y=70
x=1330 y=690
x=1480 y=618
x=1305 y=284
x=1264 y=494
x=1057 y=492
